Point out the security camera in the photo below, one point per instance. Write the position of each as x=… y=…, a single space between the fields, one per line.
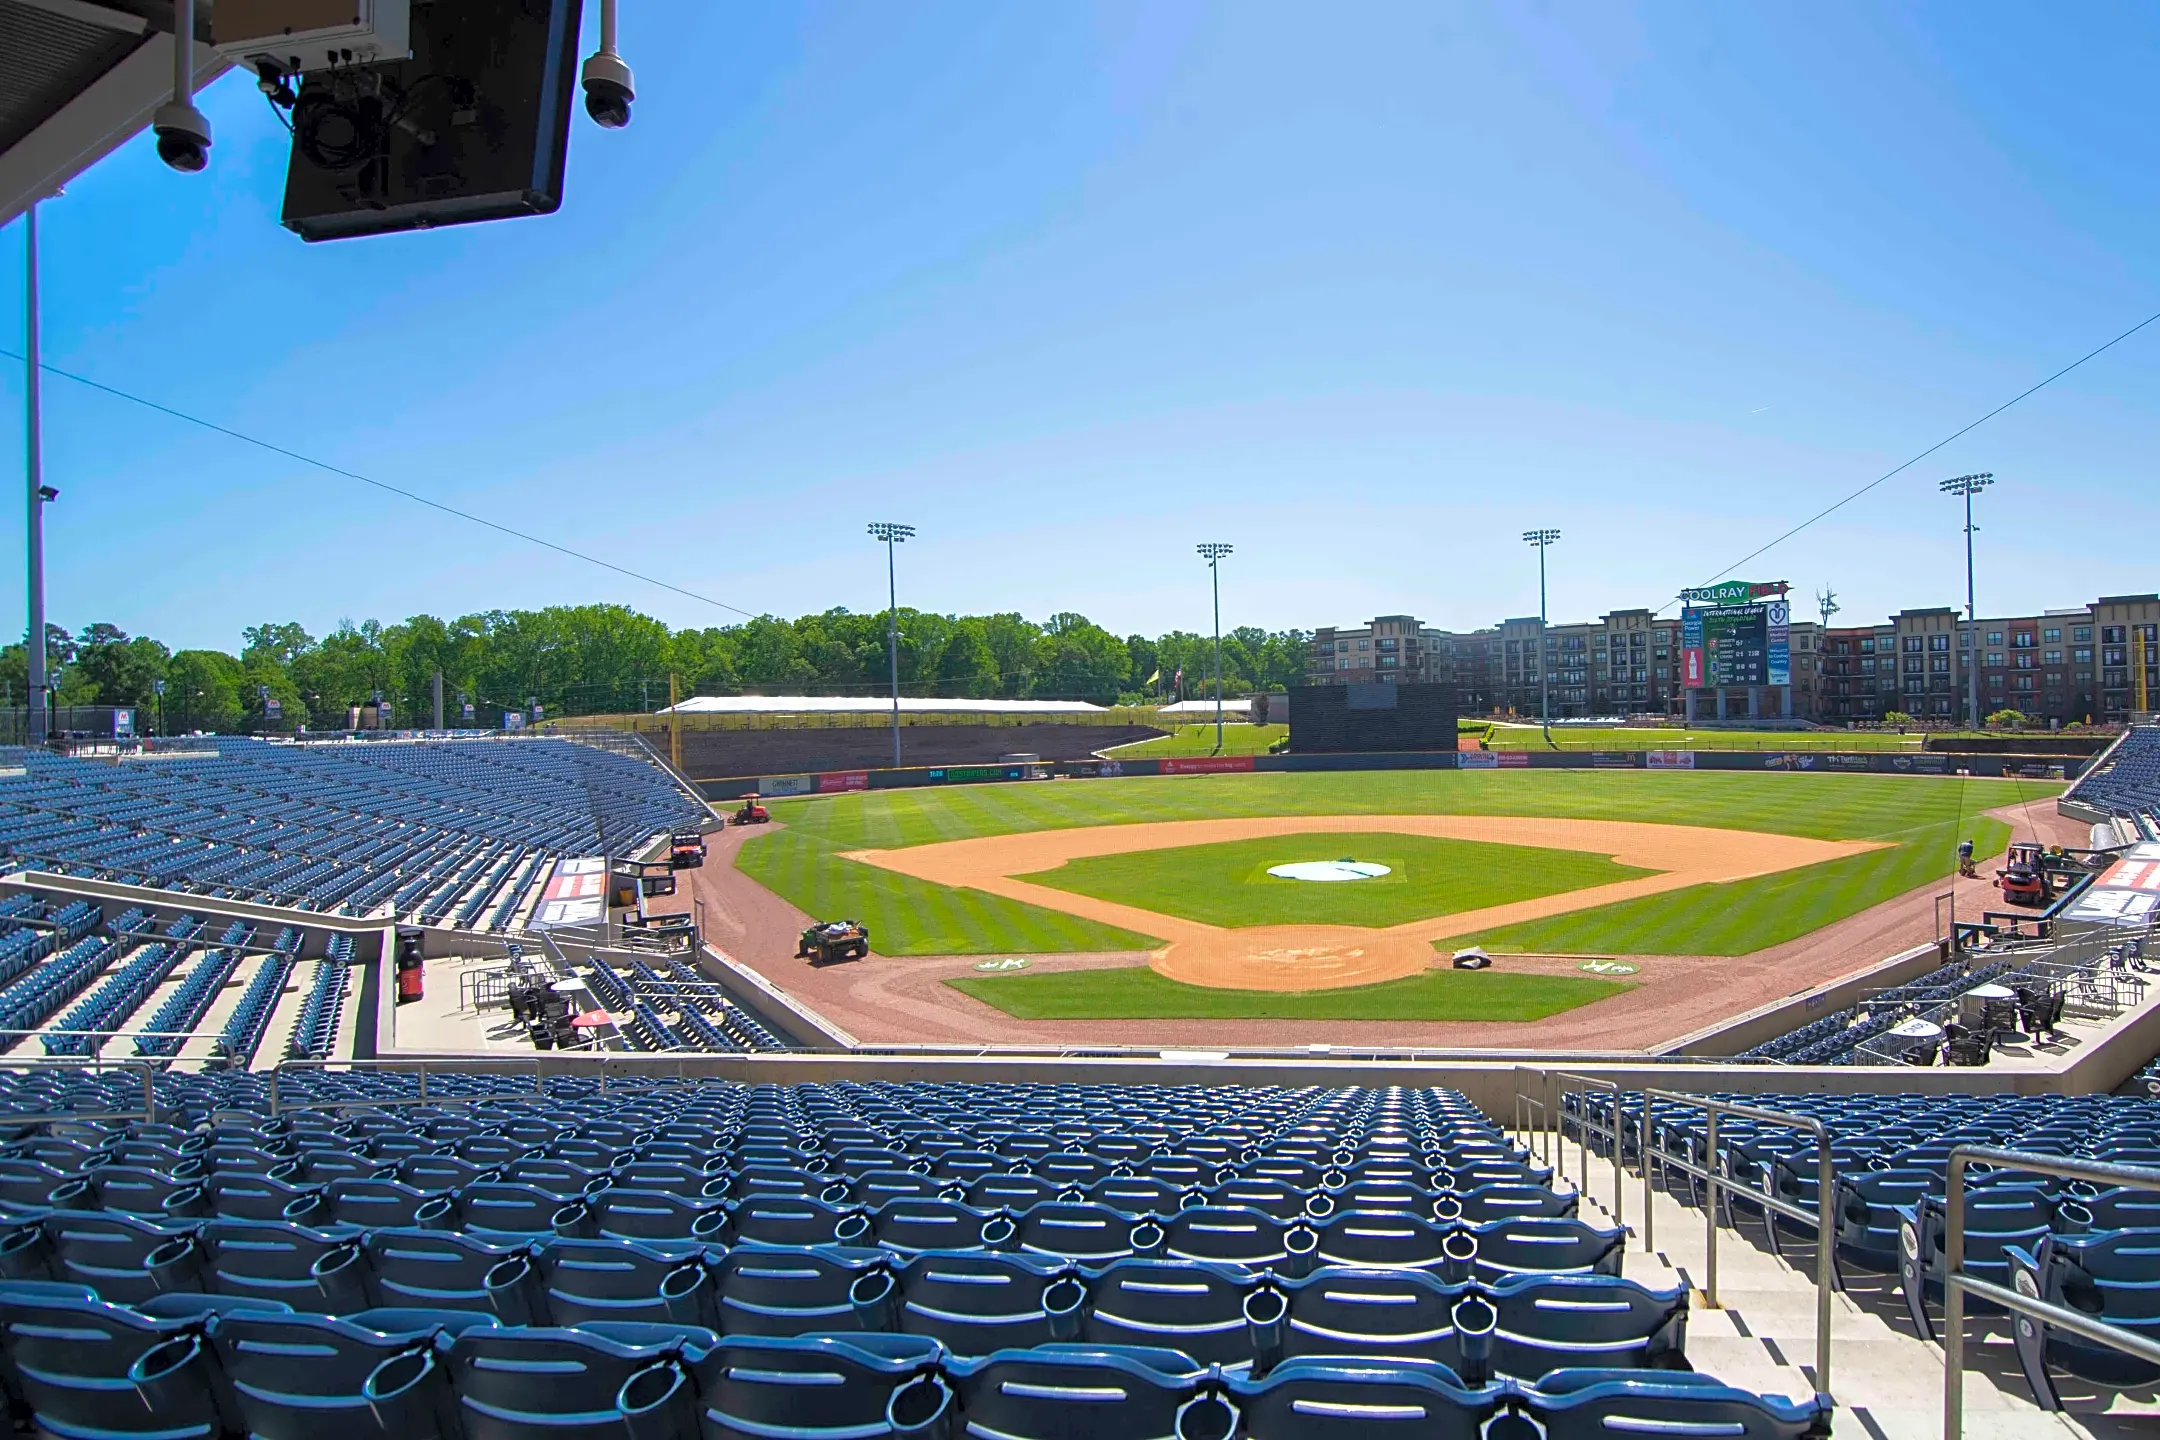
x=183 y=136
x=48 y=493
x=608 y=90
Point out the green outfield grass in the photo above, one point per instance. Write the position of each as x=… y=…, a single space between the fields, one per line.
x=1138 y=993
x=1228 y=884
x=1920 y=814
x=1240 y=739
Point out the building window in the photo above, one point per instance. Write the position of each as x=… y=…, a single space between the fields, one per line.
x=1995 y=637
x=1939 y=664
x=1915 y=642
x=1867 y=644
x=1994 y=657
x=2082 y=633
x=2023 y=640
x=2024 y=682
x=1939 y=643
x=2051 y=636
x=2053 y=657
x=2111 y=635
x=2082 y=655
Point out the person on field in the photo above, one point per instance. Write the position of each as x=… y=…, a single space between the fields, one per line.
x=1965 y=860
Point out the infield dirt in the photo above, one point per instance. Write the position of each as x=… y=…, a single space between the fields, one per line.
x=1323 y=957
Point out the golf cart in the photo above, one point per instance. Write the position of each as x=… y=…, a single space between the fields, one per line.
x=686 y=850
x=834 y=940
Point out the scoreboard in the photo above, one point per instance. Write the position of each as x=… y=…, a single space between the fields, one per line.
x=1736 y=641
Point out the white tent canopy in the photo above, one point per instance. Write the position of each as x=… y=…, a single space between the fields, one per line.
x=1207 y=707
x=865 y=704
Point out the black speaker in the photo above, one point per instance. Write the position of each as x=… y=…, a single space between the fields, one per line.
x=475 y=126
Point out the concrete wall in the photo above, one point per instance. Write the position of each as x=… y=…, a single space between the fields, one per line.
x=1767 y=1022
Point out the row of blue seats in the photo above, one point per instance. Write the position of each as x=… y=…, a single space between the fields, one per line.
x=315 y=1030
x=188 y=1372
x=972 y=1301
x=242 y=1036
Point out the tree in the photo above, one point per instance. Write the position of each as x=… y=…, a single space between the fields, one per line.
x=120 y=670
x=202 y=692
x=2006 y=719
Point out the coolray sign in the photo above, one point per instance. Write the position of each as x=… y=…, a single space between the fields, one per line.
x=576 y=894
x=1733 y=592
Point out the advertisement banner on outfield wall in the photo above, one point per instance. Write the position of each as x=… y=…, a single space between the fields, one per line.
x=1514 y=759
x=1848 y=762
x=1668 y=759
x=1208 y=765
x=786 y=784
x=1477 y=760
x=841 y=780
x=1613 y=760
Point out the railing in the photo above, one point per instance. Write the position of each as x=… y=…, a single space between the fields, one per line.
x=147 y=1069
x=1823 y=1217
x=1563 y=1083
x=1956 y=1283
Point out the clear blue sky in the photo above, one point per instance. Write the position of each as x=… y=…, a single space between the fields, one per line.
x=1365 y=291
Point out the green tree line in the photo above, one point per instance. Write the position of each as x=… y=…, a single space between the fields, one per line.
x=600 y=659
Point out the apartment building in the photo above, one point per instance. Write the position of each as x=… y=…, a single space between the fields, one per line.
x=1385 y=650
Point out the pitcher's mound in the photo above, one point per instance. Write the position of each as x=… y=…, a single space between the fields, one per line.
x=1293 y=957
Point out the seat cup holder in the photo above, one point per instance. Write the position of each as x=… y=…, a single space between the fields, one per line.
x=389 y=1388
x=1146 y=1238
x=1475 y=1319
x=1458 y=1254
x=920 y=1167
x=437 y=1212
x=175 y=1265
x=1343 y=1159
x=1062 y=1301
x=1301 y=1244
x=77 y=1194
x=1319 y=1206
x=836 y=1193
x=871 y=1296
x=1267 y=1313
x=998 y=1232
x=1225 y=1174
x=921 y=1409
x=1207 y=1416
x=1447 y=1207
x=851 y=1227
x=571 y=1221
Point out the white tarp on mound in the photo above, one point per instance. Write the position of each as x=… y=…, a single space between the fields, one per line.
x=1239 y=708
x=864 y=704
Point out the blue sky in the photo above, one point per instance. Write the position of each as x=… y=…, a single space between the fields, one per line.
x=1365 y=291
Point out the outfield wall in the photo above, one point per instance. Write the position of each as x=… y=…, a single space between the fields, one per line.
x=832 y=782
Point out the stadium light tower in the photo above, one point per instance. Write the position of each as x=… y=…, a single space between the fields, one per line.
x=1541 y=539
x=1213 y=551
x=892 y=535
x=1969 y=486
x=34 y=636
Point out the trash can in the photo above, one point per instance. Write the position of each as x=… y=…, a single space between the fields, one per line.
x=411 y=969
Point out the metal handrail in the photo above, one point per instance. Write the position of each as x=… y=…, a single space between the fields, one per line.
x=1956 y=1282
x=147 y=1115
x=464 y=1066
x=1822 y=1217
x=1561 y=1079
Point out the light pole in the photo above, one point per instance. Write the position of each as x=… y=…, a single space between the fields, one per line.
x=1969 y=486
x=39 y=492
x=1213 y=551
x=1541 y=539
x=892 y=535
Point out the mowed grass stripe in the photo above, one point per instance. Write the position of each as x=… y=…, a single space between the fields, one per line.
x=907 y=916
x=1919 y=815
x=1138 y=993
x=1744 y=916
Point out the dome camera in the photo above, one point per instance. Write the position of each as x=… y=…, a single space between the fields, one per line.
x=608 y=90
x=183 y=136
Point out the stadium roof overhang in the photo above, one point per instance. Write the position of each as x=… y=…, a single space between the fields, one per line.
x=78 y=78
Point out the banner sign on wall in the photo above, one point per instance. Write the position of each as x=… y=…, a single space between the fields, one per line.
x=1668 y=759
x=1477 y=760
x=1778 y=618
x=842 y=780
x=787 y=784
x=1208 y=765
x=1513 y=759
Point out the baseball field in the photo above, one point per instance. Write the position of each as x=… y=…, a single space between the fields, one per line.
x=1177 y=871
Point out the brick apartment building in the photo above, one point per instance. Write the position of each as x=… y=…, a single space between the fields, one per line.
x=2069 y=666
x=2062 y=666
x=1623 y=663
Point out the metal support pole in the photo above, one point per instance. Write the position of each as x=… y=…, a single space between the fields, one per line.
x=34 y=639
x=892 y=640
x=1710 y=1192
x=1972 y=625
x=1215 y=584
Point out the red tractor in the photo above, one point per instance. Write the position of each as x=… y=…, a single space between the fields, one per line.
x=752 y=813
x=2022 y=880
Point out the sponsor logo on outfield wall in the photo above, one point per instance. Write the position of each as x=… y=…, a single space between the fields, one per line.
x=1613 y=760
x=786 y=784
x=1477 y=760
x=840 y=780
x=1668 y=759
x=1208 y=765
x=1514 y=759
